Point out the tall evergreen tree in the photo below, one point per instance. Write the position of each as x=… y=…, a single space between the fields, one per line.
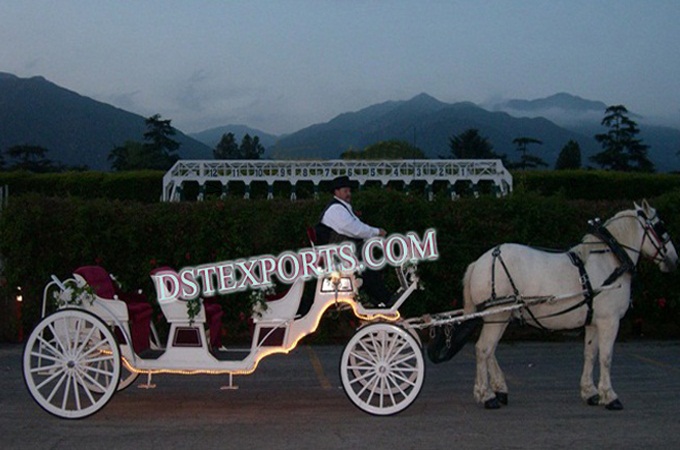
x=251 y=147
x=527 y=161
x=471 y=145
x=621 y=149
x=158 y=152
x=159 y=143
x=227 y=148
x=569 y=157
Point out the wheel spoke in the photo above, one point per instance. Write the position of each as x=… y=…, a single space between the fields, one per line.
x=81 y=381
x=377 y=348
x=45 y=356
x=71 y=364
x=49 y=345
x=76 y=394
x=76 y=335
x=44 y=368
x=86 y=340
x=402 y=378
x=98 y=385
x=397 y=386
x=94 y=348
x=58 y=339
x=369 y=373
x=66 y=391
x=103 y=358
x=402 y=360
x=382 y=369
x=368 y=352
x=393 y=355
x=96 y=370
x=49 y=380
x=369 y=360
x=389 y=381
x=373 y=384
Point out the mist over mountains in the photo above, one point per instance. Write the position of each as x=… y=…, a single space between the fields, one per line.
x=80 y=130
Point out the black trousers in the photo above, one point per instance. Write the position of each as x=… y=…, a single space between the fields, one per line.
x=373 y=282
x=374 y=285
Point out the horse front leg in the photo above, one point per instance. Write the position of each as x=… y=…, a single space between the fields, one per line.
x=588 y=389
x=607 y=335
x=484 y=351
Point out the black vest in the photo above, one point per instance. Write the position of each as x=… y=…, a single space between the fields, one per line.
x=327 y=235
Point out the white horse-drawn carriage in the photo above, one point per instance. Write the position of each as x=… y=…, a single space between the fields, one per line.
x=78 y=357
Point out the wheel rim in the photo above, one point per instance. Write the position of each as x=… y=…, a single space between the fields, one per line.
x=382 y=369
x=71 y=364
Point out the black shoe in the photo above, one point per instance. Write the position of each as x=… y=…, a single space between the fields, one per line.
x=390 y=302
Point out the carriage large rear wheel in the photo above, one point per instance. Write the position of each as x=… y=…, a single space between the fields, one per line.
x=71 y=364
x=382 y=369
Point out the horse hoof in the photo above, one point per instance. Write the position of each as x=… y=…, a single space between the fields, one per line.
x=614 y=405
x=594 y=400
x=492 y=403
x=502 y=397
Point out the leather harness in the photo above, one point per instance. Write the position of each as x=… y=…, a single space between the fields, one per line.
x=626 y=265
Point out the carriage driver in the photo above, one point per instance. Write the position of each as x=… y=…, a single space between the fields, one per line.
x=339 y=223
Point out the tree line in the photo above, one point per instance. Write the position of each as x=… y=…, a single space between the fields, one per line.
x=622 y=150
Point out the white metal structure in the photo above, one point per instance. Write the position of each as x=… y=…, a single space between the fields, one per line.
x=73 y=363
x=270 y=171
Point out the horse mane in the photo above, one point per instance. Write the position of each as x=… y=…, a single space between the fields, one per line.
x=616 y=227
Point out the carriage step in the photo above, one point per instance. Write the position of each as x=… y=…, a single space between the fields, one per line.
x=230 y=355
x=150 y=353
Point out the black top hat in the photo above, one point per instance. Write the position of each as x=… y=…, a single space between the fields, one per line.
x=341 y=182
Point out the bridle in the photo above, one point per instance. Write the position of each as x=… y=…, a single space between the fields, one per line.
x=655 y=230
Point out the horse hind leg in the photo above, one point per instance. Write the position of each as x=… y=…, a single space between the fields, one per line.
x=588 y=389
x=486 y=363
x=497 y=378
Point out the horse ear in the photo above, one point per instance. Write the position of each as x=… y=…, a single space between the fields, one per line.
x=645 y=205
x=637 y=207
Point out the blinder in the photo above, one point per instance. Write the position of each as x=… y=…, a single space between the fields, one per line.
x=658 y=235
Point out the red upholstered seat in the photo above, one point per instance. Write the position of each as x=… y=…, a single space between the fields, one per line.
x=213 y=313
x=139 y=310
x=311 y=234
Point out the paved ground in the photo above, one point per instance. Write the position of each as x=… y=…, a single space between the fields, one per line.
x=295 y=401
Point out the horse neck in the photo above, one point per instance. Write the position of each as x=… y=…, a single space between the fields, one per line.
x=626 y=230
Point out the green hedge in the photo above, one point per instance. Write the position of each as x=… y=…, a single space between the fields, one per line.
x=596 y=184
x=146 y=186
x=41 y=235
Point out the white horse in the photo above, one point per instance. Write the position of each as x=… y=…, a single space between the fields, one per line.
x=513 y=272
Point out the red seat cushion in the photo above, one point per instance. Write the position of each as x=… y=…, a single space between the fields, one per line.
x=311 y=234
x=139 y=311
x=98 y=279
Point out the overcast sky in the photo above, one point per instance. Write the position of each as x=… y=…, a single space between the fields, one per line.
x=283 y=65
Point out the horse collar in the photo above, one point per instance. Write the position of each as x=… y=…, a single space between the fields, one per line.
x=627 y=265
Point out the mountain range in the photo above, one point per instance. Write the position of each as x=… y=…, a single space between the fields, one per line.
x=78 y=130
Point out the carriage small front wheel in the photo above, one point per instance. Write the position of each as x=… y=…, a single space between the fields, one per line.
x=71 y=364
x=382 y=369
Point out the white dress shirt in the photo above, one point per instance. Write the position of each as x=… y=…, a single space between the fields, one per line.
x=342 y=220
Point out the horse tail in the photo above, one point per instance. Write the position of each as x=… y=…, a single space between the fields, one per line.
x=446 y=343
